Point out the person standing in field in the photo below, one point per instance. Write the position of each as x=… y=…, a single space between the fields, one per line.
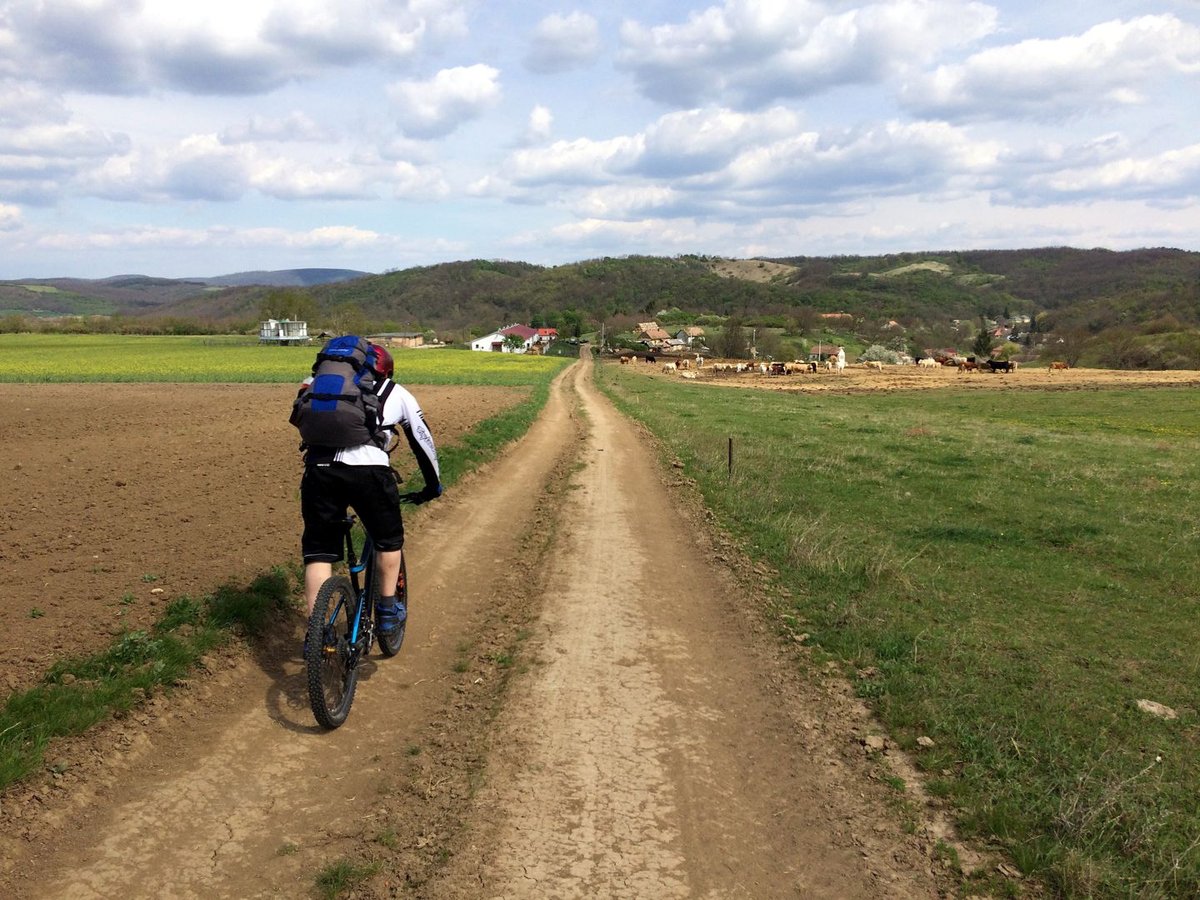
x=840 y=360
x=347 y=465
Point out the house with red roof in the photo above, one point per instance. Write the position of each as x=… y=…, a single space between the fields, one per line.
x=496 y=341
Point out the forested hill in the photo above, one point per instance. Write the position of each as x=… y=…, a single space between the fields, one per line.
x=1152 y=281
x=1088 y=289
x=1062 y=289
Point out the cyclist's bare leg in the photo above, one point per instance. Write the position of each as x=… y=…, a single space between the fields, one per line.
x=387 y=564
x=315 y=575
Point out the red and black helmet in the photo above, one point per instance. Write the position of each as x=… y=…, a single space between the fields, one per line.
x=380 y=361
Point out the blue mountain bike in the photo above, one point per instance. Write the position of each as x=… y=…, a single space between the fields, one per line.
x=342 y=630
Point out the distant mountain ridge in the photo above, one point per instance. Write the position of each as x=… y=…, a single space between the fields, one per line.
x=282 y=278
x=147 y=294
x=1074 y=292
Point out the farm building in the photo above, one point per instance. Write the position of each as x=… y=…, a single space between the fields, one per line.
x=282 y=331
x=495 y=342
x=406 y=339
x=650 y=334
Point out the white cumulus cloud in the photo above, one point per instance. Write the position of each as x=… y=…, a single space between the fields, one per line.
x=1169 y=178
x=285 y=180
x=217 y=47
x=10 y=217
x=38 y=163
x=749 y=53
x=540 y=125
x=561 y=43
x=293 y=127
x=737 y=165
x=627 y=202
x=1108 y=65
x=581 y=161
x=701 y=140
x=23 y=103
x=204 y=167
x=893 y=158
x=435 y=108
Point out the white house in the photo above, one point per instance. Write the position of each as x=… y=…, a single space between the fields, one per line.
x=285 y=331
x=494 y=342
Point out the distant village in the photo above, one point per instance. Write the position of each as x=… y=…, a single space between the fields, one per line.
x=649 y=336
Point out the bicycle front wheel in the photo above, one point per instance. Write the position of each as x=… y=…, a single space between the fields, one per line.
x=329 y=656
x=389 y=644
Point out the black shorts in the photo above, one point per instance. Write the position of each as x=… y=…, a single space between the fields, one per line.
x=326 y=492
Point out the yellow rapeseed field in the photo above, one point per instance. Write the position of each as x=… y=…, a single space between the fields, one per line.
x=103 y=358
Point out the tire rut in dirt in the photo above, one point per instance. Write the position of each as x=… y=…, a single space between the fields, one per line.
x=328 y=653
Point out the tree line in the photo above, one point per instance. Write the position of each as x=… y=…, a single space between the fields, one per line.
x=1135 y=308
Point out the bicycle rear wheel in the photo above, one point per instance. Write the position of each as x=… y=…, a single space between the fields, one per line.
x=329 y=656
x=389 y=644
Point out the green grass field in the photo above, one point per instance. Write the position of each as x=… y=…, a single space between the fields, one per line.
x=118 y=358
x=1005 y=573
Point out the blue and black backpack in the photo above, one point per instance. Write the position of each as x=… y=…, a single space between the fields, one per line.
x=340 y=408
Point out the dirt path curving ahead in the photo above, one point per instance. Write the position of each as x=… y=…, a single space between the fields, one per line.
x=649 y=741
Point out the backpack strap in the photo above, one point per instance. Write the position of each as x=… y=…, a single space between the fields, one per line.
x=383 y=394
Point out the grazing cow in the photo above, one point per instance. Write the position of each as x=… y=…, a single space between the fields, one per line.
x=968 y=365
x=625 y=360
x=927 y=362
x=683 y=363
x=651 y=359
x=874 y=364
x=999 y=365
x=669 y=367
x=1057 y=364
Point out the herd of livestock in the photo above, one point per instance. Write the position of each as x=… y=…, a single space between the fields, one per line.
x=692 y=366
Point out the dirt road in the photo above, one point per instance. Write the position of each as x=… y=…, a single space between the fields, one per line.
x=587 y=706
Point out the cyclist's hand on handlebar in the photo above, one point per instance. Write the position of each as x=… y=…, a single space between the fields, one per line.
x=416 y=498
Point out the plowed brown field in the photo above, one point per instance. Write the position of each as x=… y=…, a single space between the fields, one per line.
x=116 y=498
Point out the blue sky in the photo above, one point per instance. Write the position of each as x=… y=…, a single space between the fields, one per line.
x=147 y=136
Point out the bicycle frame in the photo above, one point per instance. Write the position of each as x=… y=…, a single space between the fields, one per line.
x=364 y=566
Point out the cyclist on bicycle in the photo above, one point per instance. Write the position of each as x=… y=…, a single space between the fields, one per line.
x=363 y=479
